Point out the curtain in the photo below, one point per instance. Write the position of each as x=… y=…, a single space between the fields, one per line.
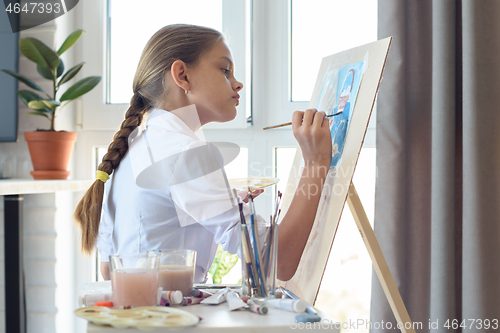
x=437 y=201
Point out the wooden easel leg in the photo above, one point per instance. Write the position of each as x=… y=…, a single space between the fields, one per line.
x=378 y=260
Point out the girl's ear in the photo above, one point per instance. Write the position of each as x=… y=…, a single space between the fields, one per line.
x=179 y=75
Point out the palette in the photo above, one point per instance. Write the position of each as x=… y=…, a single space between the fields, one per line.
x=142 y=318
x=254 y=183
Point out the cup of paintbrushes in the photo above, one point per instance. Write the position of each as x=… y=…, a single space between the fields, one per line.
x=252 y=281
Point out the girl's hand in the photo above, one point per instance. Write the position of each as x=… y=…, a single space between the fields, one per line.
x=312 y=132
x=244 y=195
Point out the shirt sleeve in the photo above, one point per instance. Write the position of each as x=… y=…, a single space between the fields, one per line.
x=105 y=236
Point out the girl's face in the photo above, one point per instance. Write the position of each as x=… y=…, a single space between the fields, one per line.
x=213 y=87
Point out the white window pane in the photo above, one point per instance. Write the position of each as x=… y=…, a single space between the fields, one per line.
x=238 y=168
x=323 y=27
x=132 y=23
x=283 y=164
x=99 y=154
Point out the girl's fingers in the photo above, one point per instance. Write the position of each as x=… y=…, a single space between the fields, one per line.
x=297 y=119
x=319 y=117
x=308 y=116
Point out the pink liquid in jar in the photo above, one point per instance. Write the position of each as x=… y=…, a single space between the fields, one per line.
x=134 y=287
x=176 y=277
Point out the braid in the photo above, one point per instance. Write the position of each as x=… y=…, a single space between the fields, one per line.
x=88 y=212
x=119 y=146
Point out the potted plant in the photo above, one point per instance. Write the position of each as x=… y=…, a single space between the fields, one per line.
x=50 y=150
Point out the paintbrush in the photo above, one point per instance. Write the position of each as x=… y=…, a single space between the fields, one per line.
x=256 y=244
x=278 y=201
x=267 y=248
x=252 y=282
x=269 y=236
x=288 y=124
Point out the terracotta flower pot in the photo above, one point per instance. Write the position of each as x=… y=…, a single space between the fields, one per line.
x=50 y=152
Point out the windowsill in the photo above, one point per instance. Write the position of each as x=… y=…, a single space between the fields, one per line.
x=27 y=186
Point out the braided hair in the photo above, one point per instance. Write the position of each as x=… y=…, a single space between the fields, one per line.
x=174 y=42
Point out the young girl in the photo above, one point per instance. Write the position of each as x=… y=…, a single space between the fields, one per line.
x=183 y=66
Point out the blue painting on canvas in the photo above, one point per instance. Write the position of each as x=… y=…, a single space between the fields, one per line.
x=338 y=95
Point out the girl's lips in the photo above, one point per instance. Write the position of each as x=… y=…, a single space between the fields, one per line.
x=237 y=97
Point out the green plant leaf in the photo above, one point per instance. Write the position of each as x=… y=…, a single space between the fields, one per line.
x=60 y=68
x=226 y=263
x=72 y=38
x=43 y=104
x=81 y=87
x=28 y=96
x=216 y=261
x=222 y=264
x=37 y=105
x=24 y=80
x=47 y=73
x=37 y=51
x=39 y=114
x=44 y=72
x=70 y=74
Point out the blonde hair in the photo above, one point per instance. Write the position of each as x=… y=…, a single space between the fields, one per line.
x=173 y=42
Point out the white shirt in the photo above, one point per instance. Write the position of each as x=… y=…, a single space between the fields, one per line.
x=196 y=213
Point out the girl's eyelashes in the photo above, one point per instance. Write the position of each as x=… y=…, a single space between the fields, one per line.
x=226 y=71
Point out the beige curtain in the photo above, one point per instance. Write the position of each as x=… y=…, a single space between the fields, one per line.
x=437 y=205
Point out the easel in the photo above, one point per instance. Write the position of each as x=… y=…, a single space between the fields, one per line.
x=378 y=260
x=307 y=279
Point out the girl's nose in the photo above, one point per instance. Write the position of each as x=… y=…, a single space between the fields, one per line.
x=237 y=86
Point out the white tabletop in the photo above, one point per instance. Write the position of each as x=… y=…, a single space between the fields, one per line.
x=218 y=319
x=29 y=186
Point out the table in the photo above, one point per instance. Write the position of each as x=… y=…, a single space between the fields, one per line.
x=12 y=191
x=218 y=319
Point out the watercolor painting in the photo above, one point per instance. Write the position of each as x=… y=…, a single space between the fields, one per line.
x=338 y=94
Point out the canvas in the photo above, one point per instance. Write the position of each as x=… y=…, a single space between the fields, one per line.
x=347 y=82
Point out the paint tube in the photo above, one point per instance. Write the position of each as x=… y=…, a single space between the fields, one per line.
x=191 y=300
x=199 y=293
x=104 y=303
x=292 y=305
x=217 y=298
x=245 y=298
x=91 y=299
x=172 y=296
x=260 y=309
x=234 y=301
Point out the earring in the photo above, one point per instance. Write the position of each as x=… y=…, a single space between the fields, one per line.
x=186 y=91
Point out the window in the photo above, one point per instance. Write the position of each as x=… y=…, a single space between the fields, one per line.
x=277 y=44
